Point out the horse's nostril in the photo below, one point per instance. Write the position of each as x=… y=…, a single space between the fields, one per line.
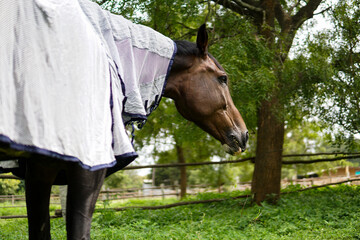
x=244 y=137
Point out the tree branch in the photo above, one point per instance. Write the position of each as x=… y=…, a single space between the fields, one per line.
x=321 y=12
x=294 y=6
x=250 y=5
x=304 y=13
x=282 y=17
x=243 y=7
x=230 y=5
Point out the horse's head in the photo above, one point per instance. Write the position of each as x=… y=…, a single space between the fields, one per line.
x=199 y=86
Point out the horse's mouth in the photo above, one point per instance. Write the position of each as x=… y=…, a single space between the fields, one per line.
x=232 y=150
x=235 y=144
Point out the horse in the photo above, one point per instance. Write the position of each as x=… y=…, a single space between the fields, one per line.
x=199 y=87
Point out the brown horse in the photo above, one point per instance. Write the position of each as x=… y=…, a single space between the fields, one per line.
x=199 y=87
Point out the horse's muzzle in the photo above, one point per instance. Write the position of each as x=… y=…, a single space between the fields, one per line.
x=236 y=142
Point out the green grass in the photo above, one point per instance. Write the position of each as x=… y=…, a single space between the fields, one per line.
x=325 y=213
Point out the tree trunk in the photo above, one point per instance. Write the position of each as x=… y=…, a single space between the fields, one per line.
x=270 y=138
x=183 y=179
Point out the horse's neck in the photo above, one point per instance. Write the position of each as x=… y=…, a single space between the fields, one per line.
x=178 y=70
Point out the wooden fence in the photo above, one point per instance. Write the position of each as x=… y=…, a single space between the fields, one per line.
x=121 y=194
x=165 y=191
x=183 y=203
x=337 y=157
x=162 y=191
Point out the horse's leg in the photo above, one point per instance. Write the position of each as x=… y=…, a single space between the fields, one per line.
x=83 y=189
x=38 y=180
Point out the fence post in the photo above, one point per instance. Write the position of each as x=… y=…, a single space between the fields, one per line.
x=176 y=184
x=162 y=191
x=153 y=177
x=13 y=200
x=347 y=171
x=63 y=197
x=107 y=195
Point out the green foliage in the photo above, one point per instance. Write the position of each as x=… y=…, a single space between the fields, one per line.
x=123 y=179
x=304 y=77
x=341 y=91
x=214 y=175
x=310 y=137
x=9 y=186
x=132 y=9
x=174 y=18
x=167 y=176
x=167 y=17
x=325 y=213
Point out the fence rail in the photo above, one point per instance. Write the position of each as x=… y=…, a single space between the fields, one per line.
x=350 y=156
x=349 y=181
x=120 y=194
x=310 y=161
x=164 y=191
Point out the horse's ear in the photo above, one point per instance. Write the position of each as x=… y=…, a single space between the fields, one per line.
x=202 y=39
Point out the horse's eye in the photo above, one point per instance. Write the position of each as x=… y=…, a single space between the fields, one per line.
x=223 y=79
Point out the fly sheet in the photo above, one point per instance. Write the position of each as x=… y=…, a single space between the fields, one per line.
x=72 y=75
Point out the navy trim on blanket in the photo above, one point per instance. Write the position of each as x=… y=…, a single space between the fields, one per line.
x=111 y=108
x=134 y=118
x=122 y=161
x=33 y=149
x=123 y=88
x=157 y=98
x=127 y=157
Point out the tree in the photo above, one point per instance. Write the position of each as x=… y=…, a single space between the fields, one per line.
x=276 y=25
x=342 y=108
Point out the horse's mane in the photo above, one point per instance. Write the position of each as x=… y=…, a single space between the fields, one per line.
x=186 y=48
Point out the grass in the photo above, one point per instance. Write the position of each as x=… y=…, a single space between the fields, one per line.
x=325 y=213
